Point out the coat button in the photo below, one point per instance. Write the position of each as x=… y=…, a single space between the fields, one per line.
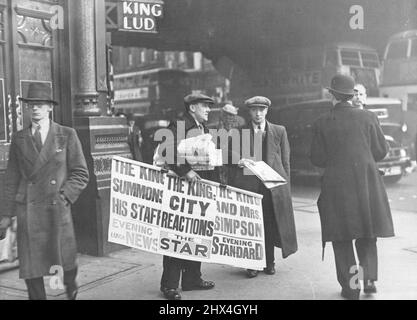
x=53 y=182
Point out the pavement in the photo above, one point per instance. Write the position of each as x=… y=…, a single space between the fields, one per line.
x=134 y=275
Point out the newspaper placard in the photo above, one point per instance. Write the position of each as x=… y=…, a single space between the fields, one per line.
x=161 y=213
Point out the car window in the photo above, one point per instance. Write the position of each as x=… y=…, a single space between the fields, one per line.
x=398 y=50
x=350 y=58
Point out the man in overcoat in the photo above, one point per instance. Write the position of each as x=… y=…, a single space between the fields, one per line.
x=197 y=111
x=277 y=205
x=348 y=142
x=45 y=175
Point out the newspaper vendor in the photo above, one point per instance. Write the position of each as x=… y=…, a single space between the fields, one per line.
x=197 y=111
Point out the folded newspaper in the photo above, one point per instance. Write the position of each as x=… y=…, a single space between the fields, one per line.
x=270 y=178
x=200 y=152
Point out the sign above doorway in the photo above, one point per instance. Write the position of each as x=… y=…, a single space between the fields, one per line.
x=134 y=16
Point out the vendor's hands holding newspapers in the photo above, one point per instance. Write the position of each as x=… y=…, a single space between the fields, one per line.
x=244 y=163
x=4 y=224
x=192 y=176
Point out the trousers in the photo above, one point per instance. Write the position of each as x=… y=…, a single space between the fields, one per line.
x=175 y=269
x=346 y=265
x=36 y=287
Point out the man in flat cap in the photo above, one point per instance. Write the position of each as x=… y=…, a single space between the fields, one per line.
x=231 y=122
x=197 y=110
x=277 y=206
x=348 y=142
x=45 y=175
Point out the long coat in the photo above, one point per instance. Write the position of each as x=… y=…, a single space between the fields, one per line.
x=353 y=204
x=278 y=157
x=33 y=184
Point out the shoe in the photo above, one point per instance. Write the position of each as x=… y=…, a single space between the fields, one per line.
x=270 y=269
x=349 y=294
x=202 y=285
x=252 y=273
x=171 y=294
x=370 y=287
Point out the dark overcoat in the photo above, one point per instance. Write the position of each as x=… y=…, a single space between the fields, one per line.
x=347 y=143
x=277 y=156
x=33 y=184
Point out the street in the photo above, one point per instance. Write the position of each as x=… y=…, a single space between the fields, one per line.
x=402 y=195
x=135 y=275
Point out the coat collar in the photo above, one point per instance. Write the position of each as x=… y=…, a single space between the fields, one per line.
x=54 y=143
x=191 y=123
x=342 y=105
x=270 y=140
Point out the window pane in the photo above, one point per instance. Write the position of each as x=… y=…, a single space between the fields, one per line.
x=35 y=64
x=350 y=58
x=398 y=50
x=414 y=48
x=370 y=60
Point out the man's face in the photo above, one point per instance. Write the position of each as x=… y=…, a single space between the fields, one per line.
x=258 y=114
x=39 y=111
x=359 y=100
x=201 y=112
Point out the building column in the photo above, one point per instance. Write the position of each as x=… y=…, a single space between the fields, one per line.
x=102 y=136
x=84 y=40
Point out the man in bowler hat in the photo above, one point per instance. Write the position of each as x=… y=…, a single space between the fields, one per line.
x=348 y=142
x=45 y=175
x=197 y=111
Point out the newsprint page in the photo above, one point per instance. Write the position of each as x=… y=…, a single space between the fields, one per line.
x=210 y=157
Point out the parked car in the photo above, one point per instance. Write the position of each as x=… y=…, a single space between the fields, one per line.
x=299 y=118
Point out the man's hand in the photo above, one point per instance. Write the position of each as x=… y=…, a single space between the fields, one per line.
x=192 y=176
x=5 y=222
x=64 y=199
x=244 y=163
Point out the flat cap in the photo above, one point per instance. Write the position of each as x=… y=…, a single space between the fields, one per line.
x=262 y=102
x=196 y=98
x=228 y=108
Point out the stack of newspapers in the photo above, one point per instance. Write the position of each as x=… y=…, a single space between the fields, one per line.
x=200 y=152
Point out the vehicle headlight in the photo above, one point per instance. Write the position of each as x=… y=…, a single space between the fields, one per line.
x=404 y=128
x=403 y=153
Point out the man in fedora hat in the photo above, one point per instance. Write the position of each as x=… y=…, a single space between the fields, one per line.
x=348 y=142
x=277 y=205
x=197 y=108
x=45 y=175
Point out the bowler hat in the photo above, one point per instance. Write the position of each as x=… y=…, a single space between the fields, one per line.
x=342 y=84
x=197 y=98
x=39 y=92
x=258 y=101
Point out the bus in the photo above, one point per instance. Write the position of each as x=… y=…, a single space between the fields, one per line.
x=399 y=77
x=302 y=74
x=151 y=92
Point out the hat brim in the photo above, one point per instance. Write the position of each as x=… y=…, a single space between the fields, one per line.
x=209 y=102
x=38 y=100
x=352 y=93
x=257 y=106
